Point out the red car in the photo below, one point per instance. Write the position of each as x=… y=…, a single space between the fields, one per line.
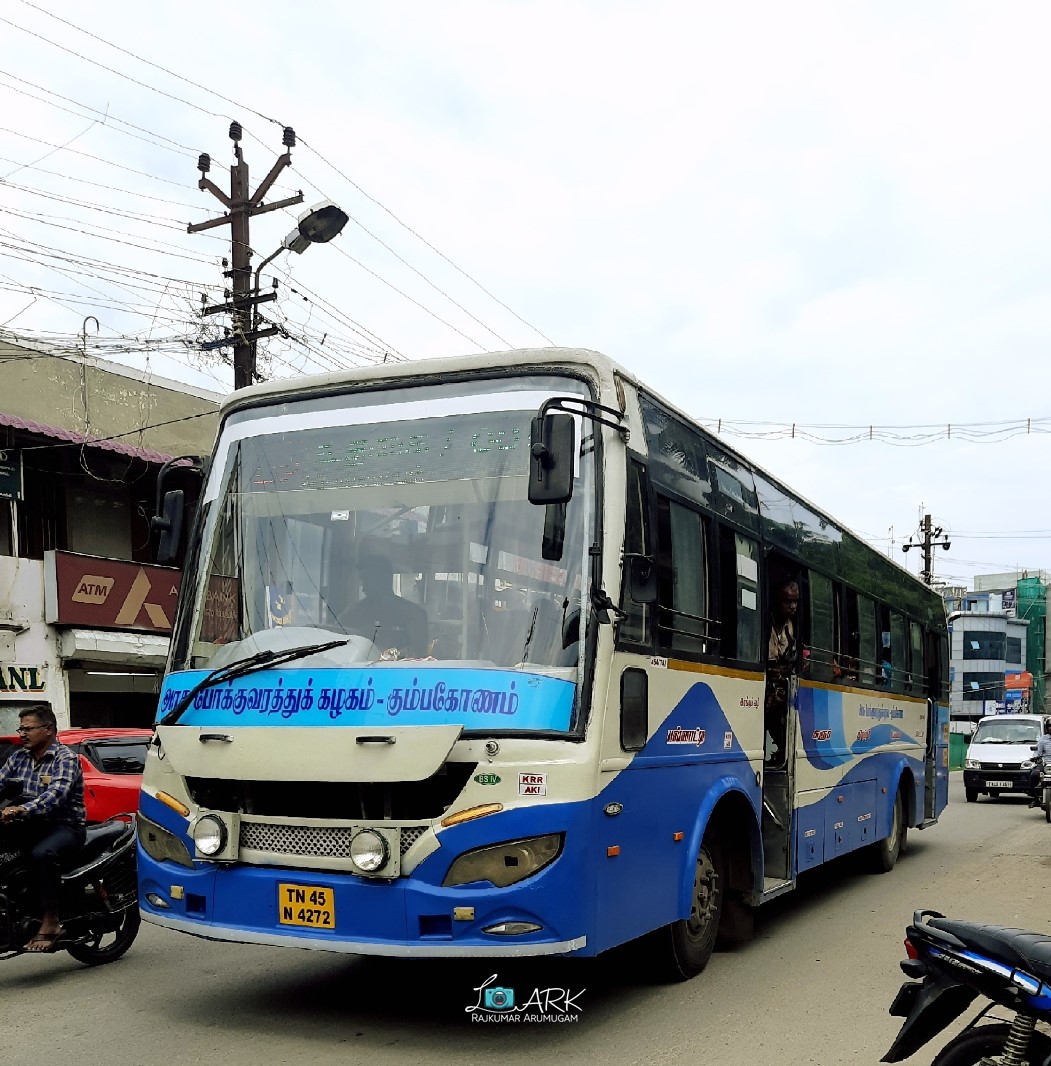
x=112 y=761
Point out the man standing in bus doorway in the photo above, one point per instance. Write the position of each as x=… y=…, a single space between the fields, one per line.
x=781 y=665
x=47 y=822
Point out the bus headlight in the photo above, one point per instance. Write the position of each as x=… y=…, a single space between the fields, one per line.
x=209 y=835
x=369 y=851
x=160 y=844
x=505 y=864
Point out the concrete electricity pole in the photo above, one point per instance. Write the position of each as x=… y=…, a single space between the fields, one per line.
x=241 y=205
x=929 y=542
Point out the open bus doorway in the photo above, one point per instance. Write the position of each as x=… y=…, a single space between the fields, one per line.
x=783 y=652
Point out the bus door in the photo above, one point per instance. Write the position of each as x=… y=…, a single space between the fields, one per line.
x=936 y=754
x=779 y=775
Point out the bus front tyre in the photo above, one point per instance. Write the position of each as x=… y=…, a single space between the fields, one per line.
x=681 y=950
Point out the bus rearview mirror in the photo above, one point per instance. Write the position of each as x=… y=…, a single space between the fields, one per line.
x=169 y=522
x=552 y=449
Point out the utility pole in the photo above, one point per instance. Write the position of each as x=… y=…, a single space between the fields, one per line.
x=928 y=543
x=241 y=205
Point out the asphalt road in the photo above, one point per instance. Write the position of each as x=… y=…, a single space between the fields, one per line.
x=812 y=987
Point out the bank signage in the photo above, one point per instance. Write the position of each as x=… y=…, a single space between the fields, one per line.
x=83 y=590
x=23 y=681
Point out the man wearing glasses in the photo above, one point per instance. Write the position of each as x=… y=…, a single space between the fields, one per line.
x=47 y=823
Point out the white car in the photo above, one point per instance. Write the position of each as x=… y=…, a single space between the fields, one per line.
x=1000 y=755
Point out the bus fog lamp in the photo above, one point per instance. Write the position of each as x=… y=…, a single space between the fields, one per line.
x=369 y=851
x=209 y=835
x=157 y=901
x=512 y=928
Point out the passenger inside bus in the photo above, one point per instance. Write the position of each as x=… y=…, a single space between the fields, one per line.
x=782 y=657
x=388 y=620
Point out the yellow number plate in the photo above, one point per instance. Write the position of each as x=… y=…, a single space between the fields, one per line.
x=306 y=905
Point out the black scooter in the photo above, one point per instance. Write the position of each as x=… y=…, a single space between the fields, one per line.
x=950 y=964
x=98 y=906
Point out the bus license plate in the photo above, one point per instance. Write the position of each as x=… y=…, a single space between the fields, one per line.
x=312 y=905
x=999 y=784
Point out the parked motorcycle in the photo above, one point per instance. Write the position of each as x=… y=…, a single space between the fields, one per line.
x=98 y=905
x=950 y=964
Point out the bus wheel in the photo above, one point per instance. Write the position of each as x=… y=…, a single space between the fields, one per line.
x=681 y=950
x=884 y=853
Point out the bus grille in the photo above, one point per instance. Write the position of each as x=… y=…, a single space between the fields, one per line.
x=330 y=842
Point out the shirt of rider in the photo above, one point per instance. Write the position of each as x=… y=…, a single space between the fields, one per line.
x=53 y=787
x=1043 y=747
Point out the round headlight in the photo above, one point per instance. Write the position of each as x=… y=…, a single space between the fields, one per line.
x=209 y=835
x=369 y=851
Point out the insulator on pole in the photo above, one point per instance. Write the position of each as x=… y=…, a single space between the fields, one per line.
x=288 y=138
x=235 y=131
x=204 y=162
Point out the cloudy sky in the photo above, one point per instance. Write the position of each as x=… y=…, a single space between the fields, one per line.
x=827 y=216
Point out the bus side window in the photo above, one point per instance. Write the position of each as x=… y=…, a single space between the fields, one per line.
x=899 y=667
x=917 y=667
x=867 y=662
x=634 y=627
x=823 y=648
x=682 y=580
x=739 y=596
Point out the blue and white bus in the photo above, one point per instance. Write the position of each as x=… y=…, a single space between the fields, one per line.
x=472 y=658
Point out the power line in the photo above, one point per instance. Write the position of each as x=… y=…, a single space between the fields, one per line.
x=276 y=122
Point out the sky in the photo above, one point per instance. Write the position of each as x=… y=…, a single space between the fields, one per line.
x=820 y=228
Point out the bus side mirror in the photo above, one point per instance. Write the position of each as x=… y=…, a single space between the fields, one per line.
x=169 y=522
x=642 y=579
x=552 y=448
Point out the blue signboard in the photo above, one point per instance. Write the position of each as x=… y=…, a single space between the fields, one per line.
x=370 y=696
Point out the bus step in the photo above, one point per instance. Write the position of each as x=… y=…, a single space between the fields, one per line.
x=927 y=822
x=774 y=887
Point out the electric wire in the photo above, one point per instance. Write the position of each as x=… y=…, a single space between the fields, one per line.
x=276 y=122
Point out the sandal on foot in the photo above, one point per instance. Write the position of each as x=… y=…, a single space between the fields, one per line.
x=43 y=943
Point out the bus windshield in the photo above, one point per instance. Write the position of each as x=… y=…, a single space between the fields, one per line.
x=399 y=519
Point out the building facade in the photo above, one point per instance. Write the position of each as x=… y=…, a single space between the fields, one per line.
x=85 y=616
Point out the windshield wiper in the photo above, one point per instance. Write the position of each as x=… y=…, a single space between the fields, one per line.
x=259 y=661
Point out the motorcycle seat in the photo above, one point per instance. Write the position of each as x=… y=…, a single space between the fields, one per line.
x=99 y=839
x=1020 y=949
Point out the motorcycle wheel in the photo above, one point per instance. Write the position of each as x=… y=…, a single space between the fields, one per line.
x=109 y=944
x=972 y=1047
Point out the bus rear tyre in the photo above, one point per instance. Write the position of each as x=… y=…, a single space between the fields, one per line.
x=681 y=950
x=884 y=853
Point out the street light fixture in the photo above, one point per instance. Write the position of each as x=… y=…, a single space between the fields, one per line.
x=318 y=225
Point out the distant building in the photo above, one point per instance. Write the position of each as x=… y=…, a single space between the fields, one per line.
x=999 y=642
x=84 y=617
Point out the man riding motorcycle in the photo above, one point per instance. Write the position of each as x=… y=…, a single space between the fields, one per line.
x=47 y=822
x=1042 y=756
